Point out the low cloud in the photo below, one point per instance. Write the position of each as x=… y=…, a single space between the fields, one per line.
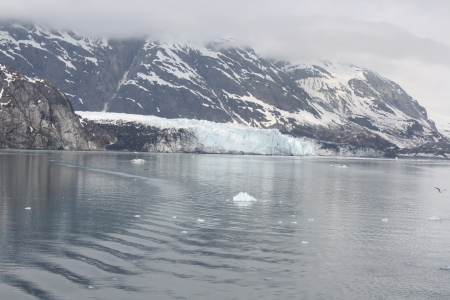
x=384 y=35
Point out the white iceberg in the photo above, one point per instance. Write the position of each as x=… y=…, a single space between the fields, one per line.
x=28 y=208
x=137 y=216
x=434 y=218
x=138 y=161
x=339 y=166
x=243 y=197
x=200 y=220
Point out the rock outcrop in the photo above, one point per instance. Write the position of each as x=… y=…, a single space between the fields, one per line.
x=34 y=114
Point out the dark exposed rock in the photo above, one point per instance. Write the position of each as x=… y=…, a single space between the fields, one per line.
x=137 y=137
x=34 y=114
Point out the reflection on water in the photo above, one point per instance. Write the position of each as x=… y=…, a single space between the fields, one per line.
x=315 y=232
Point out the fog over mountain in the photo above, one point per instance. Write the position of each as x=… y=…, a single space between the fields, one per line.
x=406 y=41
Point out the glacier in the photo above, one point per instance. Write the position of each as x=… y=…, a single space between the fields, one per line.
x=219 y=137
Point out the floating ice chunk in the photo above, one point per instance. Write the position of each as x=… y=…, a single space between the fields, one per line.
x=200 y=220
x=294 y=222
x=444 y=268
x=279 y=222
x=310 y=220
x=267 y=279
x=138 y=161
x=434 y=218
x=305 y=242
x=91 y=287
x=243 y=197
x=174 y=217
x=384 y=220
x=184 y=231
x=339 y=166
x=28 y=208
x=137 y=216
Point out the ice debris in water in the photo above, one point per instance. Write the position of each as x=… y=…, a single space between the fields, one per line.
x=339 y=166
x=184 y=231
x=243 y=197
x=174 y=217
x=434 y=218
x=91 y=287
x=445 y=268
x=137 y=216
x=294 y=222
x=200 y=220
x=305 y=242
x=310 y=220
x=138 y=161
x=267 y=279
x=279 y=222
x=28 y=208
x=384 y=220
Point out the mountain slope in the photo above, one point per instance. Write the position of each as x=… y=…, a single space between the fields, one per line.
x=365 y=98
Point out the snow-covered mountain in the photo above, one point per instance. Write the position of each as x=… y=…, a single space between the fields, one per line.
x=364 y=97
x=220 y=82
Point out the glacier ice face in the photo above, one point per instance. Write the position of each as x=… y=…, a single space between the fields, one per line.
x=219 y=137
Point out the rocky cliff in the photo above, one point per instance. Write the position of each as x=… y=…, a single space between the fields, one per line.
x=34 y=114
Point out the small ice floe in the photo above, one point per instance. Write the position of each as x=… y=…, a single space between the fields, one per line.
x=137 y=216
x=444 y=268
x=135 y=261
x=200 y=220
x=280 y=222
x=28 y=208
x=244 y=197
x=310 y=220
x=174 y=217
x=339 y=166
x=184 y=231
x=114 y=279
x=267 y=279
x=434 y=218
x=138 y=161
x=384 y=220
x=91 y=287
x=305 y=242
x=294 y=222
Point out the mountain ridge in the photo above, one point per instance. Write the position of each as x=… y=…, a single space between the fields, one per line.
x=221 y=83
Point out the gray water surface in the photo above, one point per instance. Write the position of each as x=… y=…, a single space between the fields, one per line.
x=316 y=232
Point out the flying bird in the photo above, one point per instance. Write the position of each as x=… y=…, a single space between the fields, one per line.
x=439 y=190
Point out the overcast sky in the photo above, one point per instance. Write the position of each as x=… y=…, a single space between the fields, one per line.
x=407 y=41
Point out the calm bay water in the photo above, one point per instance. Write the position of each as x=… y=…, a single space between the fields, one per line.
x=316 y=232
